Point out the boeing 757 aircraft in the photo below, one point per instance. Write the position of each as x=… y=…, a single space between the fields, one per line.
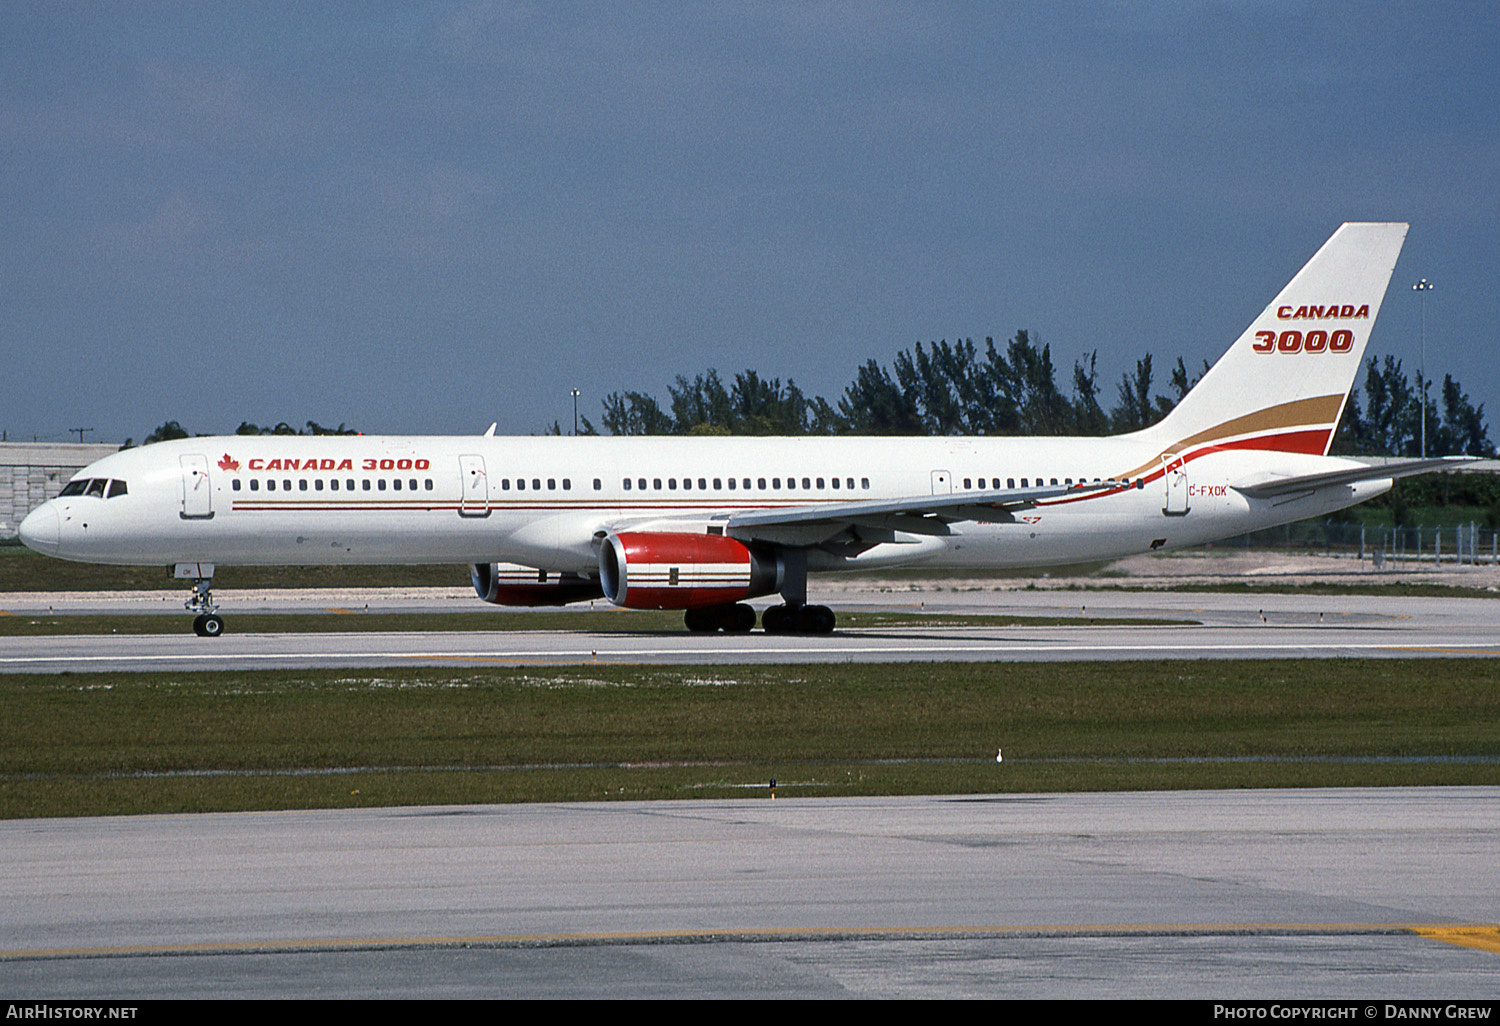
x=702 y=524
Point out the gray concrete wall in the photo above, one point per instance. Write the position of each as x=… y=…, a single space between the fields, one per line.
x=33 y=472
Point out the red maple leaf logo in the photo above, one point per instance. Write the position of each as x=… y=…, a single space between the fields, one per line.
x=229 y=464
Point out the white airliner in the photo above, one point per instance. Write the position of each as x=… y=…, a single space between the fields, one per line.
x=701 y=524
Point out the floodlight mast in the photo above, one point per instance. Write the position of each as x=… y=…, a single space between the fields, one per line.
x=1422 y=288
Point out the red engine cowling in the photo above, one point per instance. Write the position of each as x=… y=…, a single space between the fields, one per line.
x=507 y=584
x=661 y=570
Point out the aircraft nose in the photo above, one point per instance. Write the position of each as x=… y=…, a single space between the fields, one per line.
x=39 y=530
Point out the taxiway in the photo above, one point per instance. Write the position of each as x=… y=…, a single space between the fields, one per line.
x=1338 y=893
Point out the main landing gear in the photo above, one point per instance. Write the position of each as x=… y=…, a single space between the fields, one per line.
x=740 y=619
x=803 y=619
x=736 y=619
x=208 y=623
x=795 y=616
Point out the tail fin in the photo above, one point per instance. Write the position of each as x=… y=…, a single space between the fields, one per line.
x=1284 y=383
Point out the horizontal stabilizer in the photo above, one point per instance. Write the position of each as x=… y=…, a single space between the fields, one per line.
x=1274 y=486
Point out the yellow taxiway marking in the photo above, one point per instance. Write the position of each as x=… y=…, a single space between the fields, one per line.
x=1483 y=936
x=342 y=612
x=1450 y=651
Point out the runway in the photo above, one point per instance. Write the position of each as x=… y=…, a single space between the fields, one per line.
x=1207 y=626
x=1284 y=894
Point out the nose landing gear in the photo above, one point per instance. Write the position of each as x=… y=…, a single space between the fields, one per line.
x=208 y=623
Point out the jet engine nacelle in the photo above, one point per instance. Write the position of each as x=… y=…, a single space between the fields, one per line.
x=507 y=584
x=666 y=570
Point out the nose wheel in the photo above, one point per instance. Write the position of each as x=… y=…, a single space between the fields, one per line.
x=208 y=623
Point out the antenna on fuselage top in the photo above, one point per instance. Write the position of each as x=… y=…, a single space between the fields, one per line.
x=491 y=432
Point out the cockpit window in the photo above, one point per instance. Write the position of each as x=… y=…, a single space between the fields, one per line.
x=98 y=487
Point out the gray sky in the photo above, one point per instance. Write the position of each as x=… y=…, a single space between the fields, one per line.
x=422 y=217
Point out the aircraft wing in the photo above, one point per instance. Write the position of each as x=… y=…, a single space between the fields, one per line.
x=1274 y=486
x=880 y=519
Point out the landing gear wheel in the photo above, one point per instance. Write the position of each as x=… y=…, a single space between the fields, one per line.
x=208 y=625
x=733 y=619
x=740 y=619
x=798 y=620
x=703 y=620
x=776 y=620
x=815 y=620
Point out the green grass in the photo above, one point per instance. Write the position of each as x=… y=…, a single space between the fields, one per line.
x=89 y=744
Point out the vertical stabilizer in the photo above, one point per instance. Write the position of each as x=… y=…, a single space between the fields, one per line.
x=1283 y=384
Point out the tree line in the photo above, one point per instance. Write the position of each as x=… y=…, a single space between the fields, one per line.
x=172 y=429
x=960 y=388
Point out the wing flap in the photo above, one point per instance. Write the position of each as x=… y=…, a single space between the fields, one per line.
x=919 y=514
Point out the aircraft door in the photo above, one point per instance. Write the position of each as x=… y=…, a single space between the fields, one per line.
x=475 y=500
x=1174 y=475
x=942 y=482
x=197 y=492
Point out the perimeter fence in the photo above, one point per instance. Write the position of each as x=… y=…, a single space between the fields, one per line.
x=1406 y=547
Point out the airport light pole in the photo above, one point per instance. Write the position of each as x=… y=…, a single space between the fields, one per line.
x=1422 y=288
x=575 y=413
